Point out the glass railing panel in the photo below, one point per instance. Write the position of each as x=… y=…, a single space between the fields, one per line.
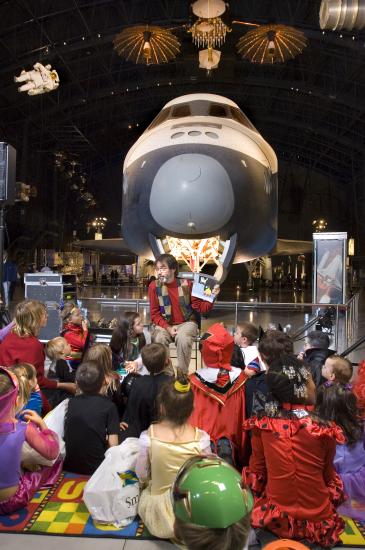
x=293 y=318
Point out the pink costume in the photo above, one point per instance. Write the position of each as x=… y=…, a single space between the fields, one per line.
x=12 y=436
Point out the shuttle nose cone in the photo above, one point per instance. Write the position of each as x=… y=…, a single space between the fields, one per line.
x=192 y=193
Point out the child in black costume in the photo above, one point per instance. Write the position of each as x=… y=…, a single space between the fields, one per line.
x=91 y=423
x=141 y=407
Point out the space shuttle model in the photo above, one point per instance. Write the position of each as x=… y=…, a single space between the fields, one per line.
x=201 y=183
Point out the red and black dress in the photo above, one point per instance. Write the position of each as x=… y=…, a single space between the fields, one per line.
x=292 y=476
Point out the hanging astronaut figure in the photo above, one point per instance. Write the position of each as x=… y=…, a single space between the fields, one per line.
x=40 y=80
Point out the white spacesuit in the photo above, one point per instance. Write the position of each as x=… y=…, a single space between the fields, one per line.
x=40 y=80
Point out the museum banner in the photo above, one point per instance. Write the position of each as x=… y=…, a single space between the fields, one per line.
x=329 y=268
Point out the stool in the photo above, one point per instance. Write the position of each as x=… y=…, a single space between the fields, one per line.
x=195 y=354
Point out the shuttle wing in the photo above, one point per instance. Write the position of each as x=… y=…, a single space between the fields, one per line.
x=288 y=247
x=283 y=247
x=116 y=246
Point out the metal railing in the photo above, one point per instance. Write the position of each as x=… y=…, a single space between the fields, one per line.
x=344 y=318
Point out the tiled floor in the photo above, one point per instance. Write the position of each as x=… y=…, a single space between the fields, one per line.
x=42 y=542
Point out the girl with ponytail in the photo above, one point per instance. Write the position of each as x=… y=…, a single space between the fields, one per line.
x=164 y=448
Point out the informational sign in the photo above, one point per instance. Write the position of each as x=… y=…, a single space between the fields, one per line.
x=329 y=268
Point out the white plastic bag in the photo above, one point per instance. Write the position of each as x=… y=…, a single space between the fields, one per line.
x=55 y=421
x=112 y=493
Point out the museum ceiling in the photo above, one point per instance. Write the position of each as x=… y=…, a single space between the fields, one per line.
x=310 y=109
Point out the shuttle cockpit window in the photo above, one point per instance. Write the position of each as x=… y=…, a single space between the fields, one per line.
x=238 y=115
x=161 y=117
x=202 y=108
x=217 y=109
x=180 y=111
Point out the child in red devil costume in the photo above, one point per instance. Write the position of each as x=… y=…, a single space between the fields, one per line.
x=219 y=396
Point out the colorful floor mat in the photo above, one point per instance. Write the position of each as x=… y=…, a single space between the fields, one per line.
x=61 y=511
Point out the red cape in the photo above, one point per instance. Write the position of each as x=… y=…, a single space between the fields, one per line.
x=221 y=413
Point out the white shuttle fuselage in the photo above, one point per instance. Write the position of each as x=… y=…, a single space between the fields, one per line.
x=201 y=170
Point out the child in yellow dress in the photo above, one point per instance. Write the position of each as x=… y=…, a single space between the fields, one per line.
x=164 y=448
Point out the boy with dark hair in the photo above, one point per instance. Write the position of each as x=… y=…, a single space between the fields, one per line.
x=91 y=423
x=246 y=356
x=141 y=407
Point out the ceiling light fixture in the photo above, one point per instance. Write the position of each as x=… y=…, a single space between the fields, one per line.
x=271 y=44
x=147 y=44
x=209 y=33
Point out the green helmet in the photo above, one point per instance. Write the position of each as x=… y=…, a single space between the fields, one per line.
x=208 y=492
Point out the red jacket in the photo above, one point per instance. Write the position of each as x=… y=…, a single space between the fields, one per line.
x=76 y=337
x=177 y=317
x=25 y=349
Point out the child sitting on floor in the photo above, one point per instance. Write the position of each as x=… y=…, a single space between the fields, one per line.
x=246 y=356
x=339 y=404
x=245 y=351
x=127 y=342
x=22 y=346
x=273 y=344
x=57 y=350
x=337 y=369
x=91 y=423
x=164 y=448
x=17 y=488
x=28 y=372
x=102 y=355
x=291 y=472
x=212 y=510
x=141 y=406
x=219 y=396
x=76 y=332
x=60 y=369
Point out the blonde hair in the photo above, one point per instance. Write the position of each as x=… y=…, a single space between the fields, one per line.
x=198 y=537
x=28 y=317
x=25 y=369
x=24 y=389
x=101 y=354
x=54 y=347
x=341 y=368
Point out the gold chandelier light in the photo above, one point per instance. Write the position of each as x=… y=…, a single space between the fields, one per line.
x=209 y=33
x=147 y=44
x=271 y=44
